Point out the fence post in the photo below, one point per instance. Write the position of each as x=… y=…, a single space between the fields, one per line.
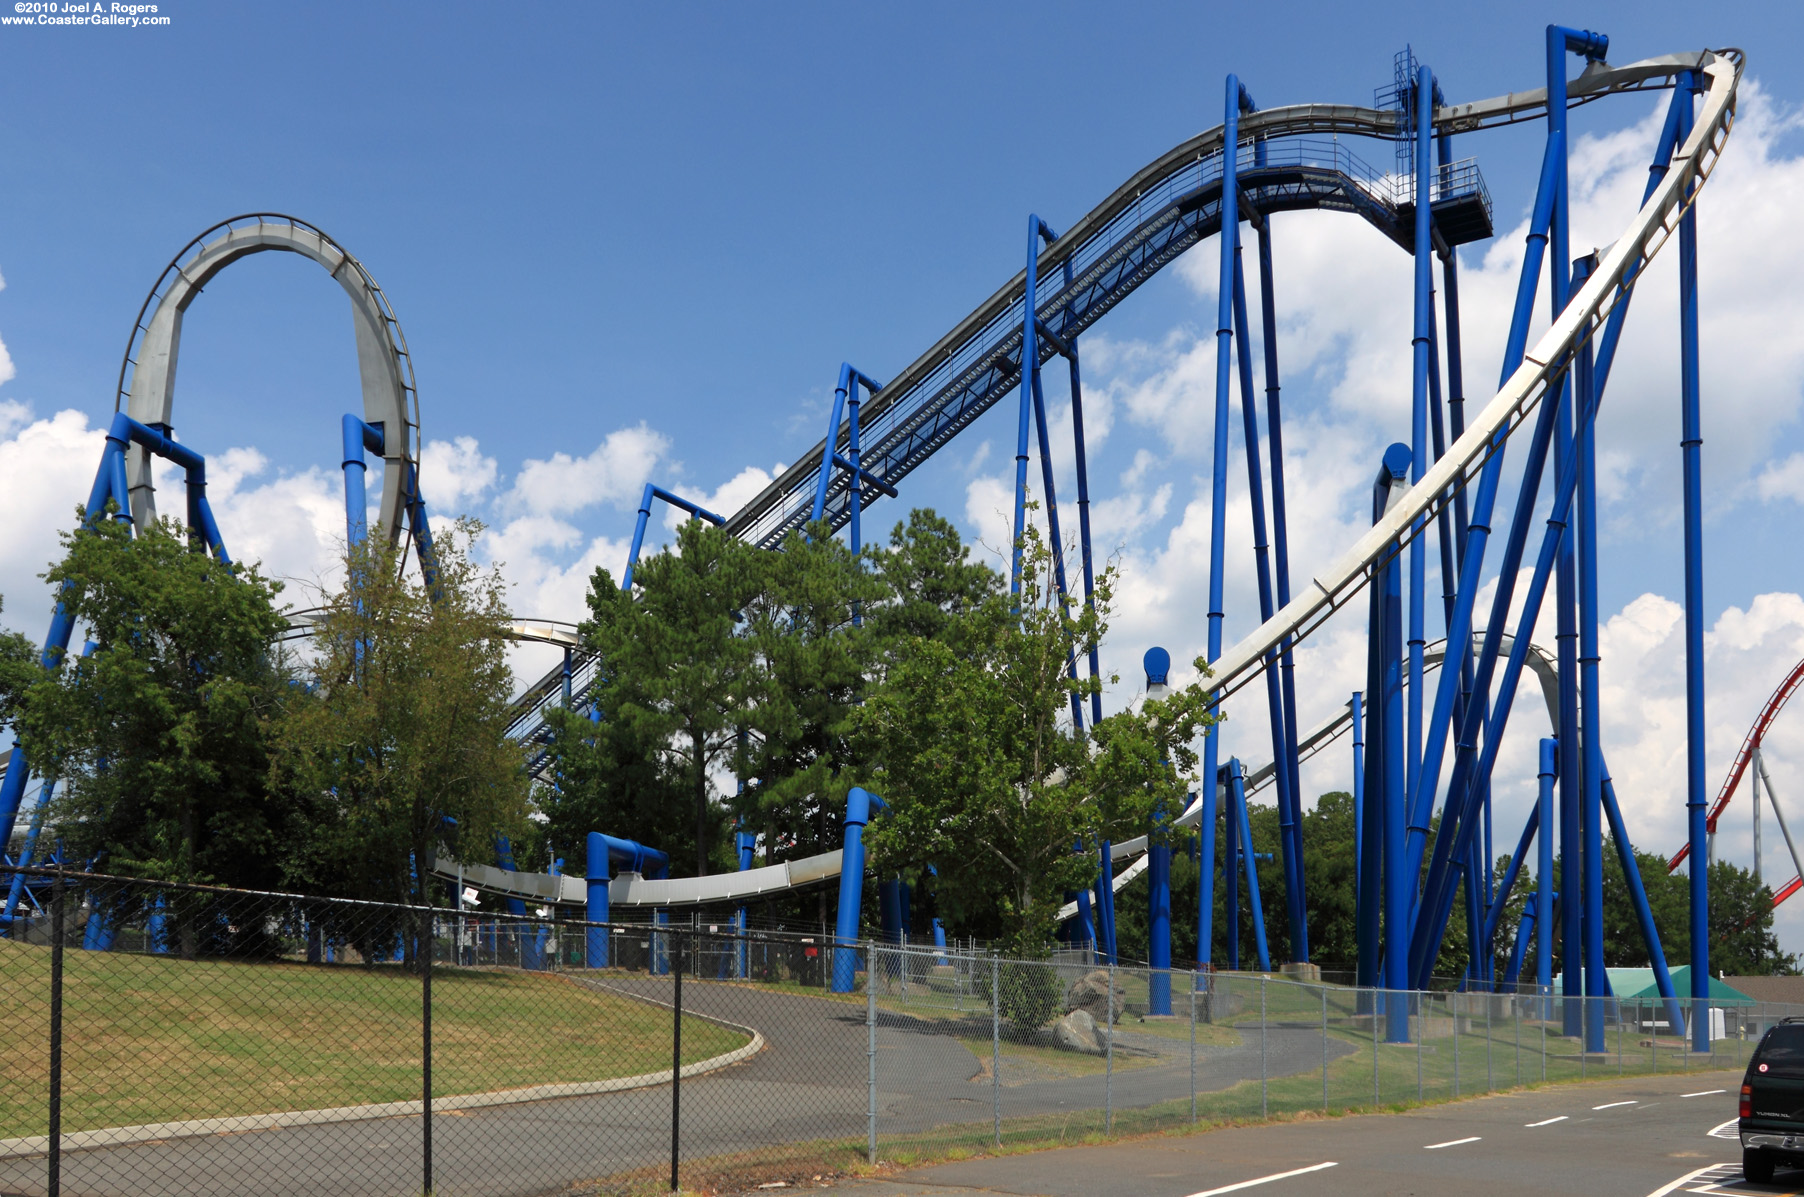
x=1490 y=1082
x=1374 y=995
x=1108 y=1080
x=870 y=1024
x=1264 y=1104
x=425 y=954
x=675 y=942
x=55 y=1179
x=1193 y=1047
x=996 y=1045
x=1324 y=1047
x=1421 y=1002
x=1544 y=1046
x=1453 y=1005
x=1584 y=1034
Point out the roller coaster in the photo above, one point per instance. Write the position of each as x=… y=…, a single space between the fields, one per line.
x=1438 y=487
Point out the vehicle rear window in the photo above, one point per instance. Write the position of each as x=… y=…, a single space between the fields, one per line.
x=1783 y=1052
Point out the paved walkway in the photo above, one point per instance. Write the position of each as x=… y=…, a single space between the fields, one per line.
x=809 y=1083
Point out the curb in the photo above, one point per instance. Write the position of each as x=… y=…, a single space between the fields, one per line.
x=156 y=1132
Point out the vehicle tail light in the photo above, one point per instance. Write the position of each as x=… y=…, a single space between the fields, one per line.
x=1747 y=1101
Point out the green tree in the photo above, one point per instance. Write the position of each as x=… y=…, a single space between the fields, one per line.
x=678 y=667
x=18 y=672
x=159 y=734
x=812 y=657
x=931 y=583
x=969 y=740
x=399 y=745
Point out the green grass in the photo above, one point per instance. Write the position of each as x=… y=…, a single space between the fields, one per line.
x=153 y=1039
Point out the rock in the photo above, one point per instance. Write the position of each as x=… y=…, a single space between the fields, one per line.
x=1090 y=993
x=1076 y=1032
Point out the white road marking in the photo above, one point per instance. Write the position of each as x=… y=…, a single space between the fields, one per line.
x=1452 y=1143
x=1703 y=1093
x=1686 y=1179
x=1611 y=1105
x=1546 y=1121
x=1716 y=1132
x=1265 y=1180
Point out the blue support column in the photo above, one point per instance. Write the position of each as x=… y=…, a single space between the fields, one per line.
x=1105 y=905
x=1423 y=103
x=1083 y=509
x=1274 y=430
x=1230 y=867
x=1157 y=663
x=1357 y=704
x=1455 y=675
x=1238 y=101
x=1237 y=797
x=657 y=492
x=357 y=437
x=1205 y=884
x=1084 y=931
x=1274 y=686
x=1691 y=440
x=1398 y=882
x=860 y=805
x=597 y=875
x=1544 y=876
x=1590 y=702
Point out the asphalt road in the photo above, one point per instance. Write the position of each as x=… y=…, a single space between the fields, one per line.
x=1646 y=1137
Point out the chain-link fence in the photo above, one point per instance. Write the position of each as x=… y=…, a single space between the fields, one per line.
x=184 y=1039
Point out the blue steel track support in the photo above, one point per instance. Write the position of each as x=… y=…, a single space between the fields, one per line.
x=1544 y=876
x=1238 y=101
x=1357 y=704
x=1157 y=663
x=1464 y=797
x=1560 y=42
x=357 y=438
x=1477 y=539
x=1437 y=902
x=657 y=492
x=1590 y=703
x=1083 y=506
x=1237 y=799
x=1105 y=904
x=1274 y=430
x=1274 y=687
x=1691 y=440
x=1477 y=718
x=861 y=804
x=1398 y=883
x=1644 y=915
x=110 y=483
x=1033 y=397
x=1423 y=99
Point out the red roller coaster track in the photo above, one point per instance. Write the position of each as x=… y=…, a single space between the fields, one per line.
x=1774 y=704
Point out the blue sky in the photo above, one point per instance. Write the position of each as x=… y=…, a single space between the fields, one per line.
x=644 y=237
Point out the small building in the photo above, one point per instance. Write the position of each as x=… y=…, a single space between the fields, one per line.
x=1773 y=991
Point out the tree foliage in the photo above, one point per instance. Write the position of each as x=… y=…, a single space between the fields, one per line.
x=158 y=736
x=399 y=742
x=970 y=741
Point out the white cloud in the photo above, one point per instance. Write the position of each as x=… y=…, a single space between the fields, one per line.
x=455 y=474
x=48 y=466
x=724 y=500
x=615 y=472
